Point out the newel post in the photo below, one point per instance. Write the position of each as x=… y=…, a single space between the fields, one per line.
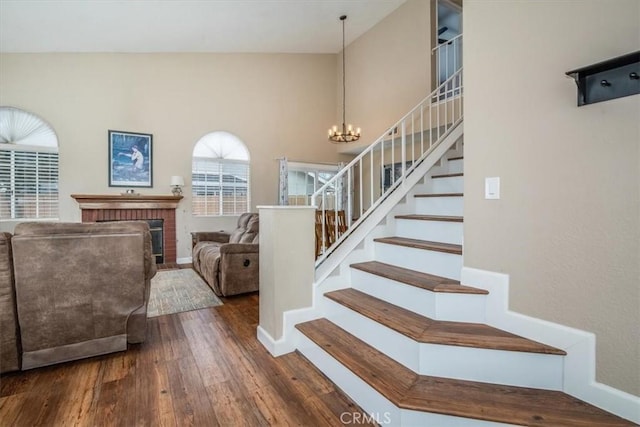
x=287 y=258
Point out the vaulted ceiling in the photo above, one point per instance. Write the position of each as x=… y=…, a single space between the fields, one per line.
x=285 y=26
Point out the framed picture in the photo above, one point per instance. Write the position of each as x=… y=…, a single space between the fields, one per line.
x=130 y=159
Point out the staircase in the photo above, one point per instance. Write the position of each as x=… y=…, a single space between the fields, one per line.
x=406 y=340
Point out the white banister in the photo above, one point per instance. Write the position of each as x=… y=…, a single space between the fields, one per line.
x=449 y=60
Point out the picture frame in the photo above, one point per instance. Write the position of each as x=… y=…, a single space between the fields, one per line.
x=130 y=159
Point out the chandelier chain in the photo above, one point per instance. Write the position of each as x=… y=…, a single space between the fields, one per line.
x=344 y=133
x=344 y=84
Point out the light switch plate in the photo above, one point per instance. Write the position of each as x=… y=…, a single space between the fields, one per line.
x=492 y=187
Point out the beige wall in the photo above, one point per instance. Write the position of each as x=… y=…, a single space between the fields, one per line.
x=567 y=228
x=388 y=71
x=278 y=104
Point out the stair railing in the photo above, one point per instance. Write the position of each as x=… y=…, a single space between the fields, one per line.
x=358 y=188
x=448 y=60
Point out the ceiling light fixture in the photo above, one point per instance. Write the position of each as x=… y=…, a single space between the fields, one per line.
x=346 y=134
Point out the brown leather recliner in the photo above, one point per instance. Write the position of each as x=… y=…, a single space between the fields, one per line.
x=81 y=289
x=229 y=262
x=9 y=335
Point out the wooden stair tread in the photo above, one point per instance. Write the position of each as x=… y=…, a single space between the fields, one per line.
x=440 y=195
x=443 y=218
x=470 y=399
x=447 y=175
x=456 y=158
x=418 y=279
x=509 y=404
x=425 y=330
x=422 y=244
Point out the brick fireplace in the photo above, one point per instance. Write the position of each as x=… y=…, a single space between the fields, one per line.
x=112 y=207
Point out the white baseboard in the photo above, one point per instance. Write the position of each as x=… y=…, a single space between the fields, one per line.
x=268 y=342
x=287 y=343
x=579 y=365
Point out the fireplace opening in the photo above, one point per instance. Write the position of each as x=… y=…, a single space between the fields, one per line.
x=156 y=227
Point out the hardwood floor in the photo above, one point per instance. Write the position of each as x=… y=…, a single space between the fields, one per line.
x=199 y=368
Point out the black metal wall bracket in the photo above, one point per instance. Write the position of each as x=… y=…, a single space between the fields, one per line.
x=610 y=79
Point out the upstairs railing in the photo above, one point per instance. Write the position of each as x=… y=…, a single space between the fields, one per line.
x=448 y=57
x=357 y=189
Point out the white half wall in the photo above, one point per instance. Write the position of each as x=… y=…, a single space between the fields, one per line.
x=287 y=254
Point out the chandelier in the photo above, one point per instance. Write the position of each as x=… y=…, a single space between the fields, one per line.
x=345 y=133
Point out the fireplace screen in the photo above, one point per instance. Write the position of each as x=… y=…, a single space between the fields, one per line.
x=157 y=236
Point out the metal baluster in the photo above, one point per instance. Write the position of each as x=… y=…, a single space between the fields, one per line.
x=360 y=185
x=349 y=201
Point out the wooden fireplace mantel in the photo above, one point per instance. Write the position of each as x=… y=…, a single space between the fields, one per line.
x=126 y=201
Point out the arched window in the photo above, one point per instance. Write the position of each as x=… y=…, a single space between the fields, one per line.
x=220 y=176
x=28 y=166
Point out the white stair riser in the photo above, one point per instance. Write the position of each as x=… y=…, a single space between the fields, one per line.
x=515 y=368
x=454 y=184
x=435 y=305
x=455 y=166
x=373 y=403
x=331 y=284
x=460 y=307
x=432 y=262
x=440 y=206
x=448 y=166
x=465 y=363
x=456 y=151
x=435 y=231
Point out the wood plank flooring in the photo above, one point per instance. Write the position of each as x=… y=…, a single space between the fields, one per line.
x=199 y=368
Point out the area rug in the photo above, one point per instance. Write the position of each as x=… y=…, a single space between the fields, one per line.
x=175 y=291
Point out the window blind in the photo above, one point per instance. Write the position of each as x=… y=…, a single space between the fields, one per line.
x=28 y=183
x=220 y=187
